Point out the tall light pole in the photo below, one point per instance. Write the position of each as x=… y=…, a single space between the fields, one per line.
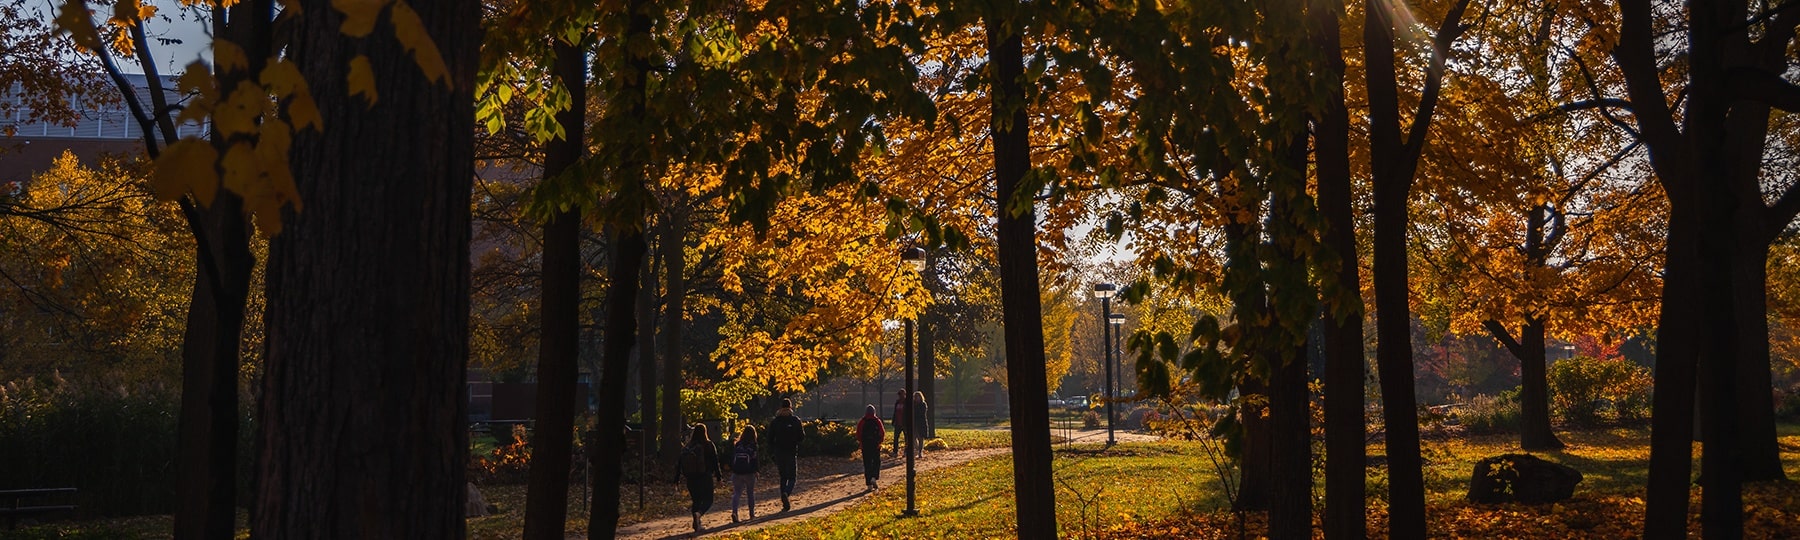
x=1105 y=292
x=1116 y=321
x=915 y=259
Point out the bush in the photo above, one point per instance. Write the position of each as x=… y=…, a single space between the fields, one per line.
x=1787 y=403
x=116 y=445
x=827 y=438
x=1091 y=420
x=1487 y=414
x=1586 y=391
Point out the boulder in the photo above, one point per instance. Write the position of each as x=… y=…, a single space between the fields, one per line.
x=473 y=503
x=1521 y=478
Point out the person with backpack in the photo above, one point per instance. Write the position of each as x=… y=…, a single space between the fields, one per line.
x=743 y=472
x=869 y=433
x=785 y=433
x=899 y=420
x=699 y=461
x=918 y=415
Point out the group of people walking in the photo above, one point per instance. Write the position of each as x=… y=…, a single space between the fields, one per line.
x=700 y=464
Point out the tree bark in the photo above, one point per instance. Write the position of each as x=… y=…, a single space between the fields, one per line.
x=1292 y=305
x=363 y=429
x=674 y=255
x=1020 y=304
x=559 y=311
x=1535 y=431
x=625 y=232
x=1345 y=434
x=1255 y=467
x=1756 y=399
x=207 y=429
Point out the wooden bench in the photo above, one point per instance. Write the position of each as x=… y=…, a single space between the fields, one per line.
x=12 y=503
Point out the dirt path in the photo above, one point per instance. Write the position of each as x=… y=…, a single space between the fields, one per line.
x=813 y=498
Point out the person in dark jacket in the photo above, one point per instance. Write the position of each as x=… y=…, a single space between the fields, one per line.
x=920 y=422
x=869 y=434
x=785 y=434
x=899 y=420
x=699 y=461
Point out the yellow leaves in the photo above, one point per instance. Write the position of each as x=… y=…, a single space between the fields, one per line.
x=285 y=81
x=362 y=79
x=229 y=56
x=359 y=15
x=359 y=21
x=186 y=166
x=411 y=33
x=74 y=19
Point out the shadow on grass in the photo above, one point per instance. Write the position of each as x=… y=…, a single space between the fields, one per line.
x=804 y=510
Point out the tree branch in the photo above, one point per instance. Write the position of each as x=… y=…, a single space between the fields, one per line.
x=1764 y=87
x=1504 y=337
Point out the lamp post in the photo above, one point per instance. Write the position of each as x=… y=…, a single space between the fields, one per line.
x=1105 y=292
x=1117 y=322
x=915 y=259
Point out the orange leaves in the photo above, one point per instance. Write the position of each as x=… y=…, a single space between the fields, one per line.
x=360 y=17
x=361 y=79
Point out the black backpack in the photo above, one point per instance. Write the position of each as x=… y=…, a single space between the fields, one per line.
x=743 y=460
x=692 y=463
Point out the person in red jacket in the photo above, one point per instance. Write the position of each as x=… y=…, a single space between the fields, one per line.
x=870 y=433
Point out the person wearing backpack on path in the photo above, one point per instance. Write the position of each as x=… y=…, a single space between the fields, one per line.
x=900 y=419
x=699 y=461
x=743 y=472
x=785 y=433
x=869 y=433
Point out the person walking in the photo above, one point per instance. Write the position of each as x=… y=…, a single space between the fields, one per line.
x=785 y=434
x=699 y=462
x=743 y=472
x=870 y=434
x=899 y=419
x=919 y=422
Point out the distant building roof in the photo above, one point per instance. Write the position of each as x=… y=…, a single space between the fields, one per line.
x=33 y=144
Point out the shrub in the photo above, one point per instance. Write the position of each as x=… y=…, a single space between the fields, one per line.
x=1787 y=403
x=1587 y=391
x=827 y=438
x=508 y=463
x=116 y=445
x=1091 y=420
x=1488 y=414
x=936 y=445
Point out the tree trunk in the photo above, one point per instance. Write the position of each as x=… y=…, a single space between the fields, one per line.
x=1345 y=433
x=207 y=432
x=625 y=232
x=1292 y=304
x=559 y=333
x=646 y=355
x=674 y=256
x=208 y=429
x=364 y=429
x=1756 y=399
x=1535 y=432
x=1255 y=467
x=1022 y=309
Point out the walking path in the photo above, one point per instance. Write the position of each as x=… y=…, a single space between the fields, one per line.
x=825 y=495
x=813 y=498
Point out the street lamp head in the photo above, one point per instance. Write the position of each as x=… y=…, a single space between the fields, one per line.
x=914 y=257
x=1105 y=290
x=1117 y=319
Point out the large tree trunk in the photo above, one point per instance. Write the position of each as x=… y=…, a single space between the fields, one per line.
x=207 y=432
x=363 y=429
x=1535 y=432
x=1672 y=396
x=1756 y=397
x=1020 y=304
x=559 y=333
x=1345 y=434
x=674 y=255
x=1255 y=467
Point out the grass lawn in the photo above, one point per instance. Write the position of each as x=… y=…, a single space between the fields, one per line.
x=1131 y=483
